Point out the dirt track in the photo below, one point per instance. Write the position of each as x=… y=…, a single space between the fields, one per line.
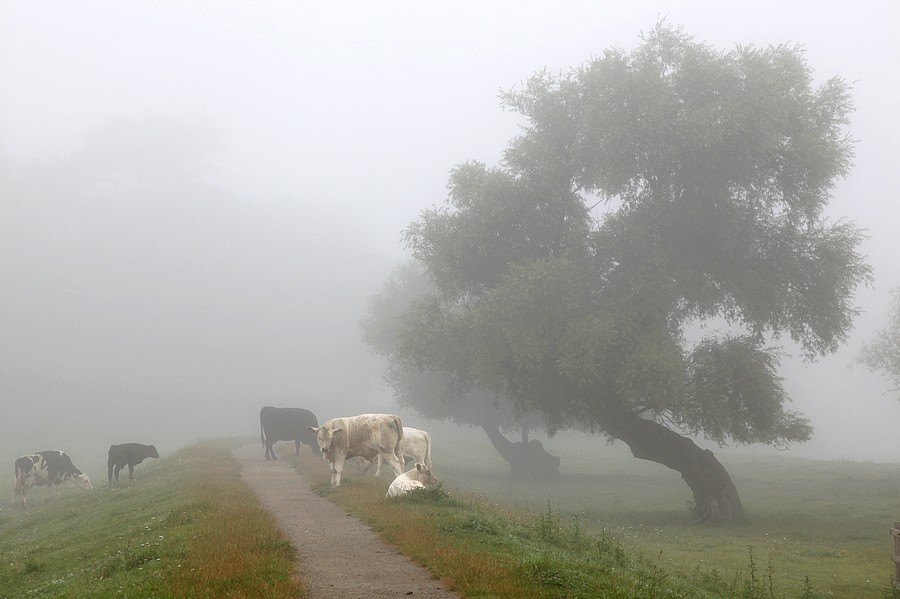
x=339 y=556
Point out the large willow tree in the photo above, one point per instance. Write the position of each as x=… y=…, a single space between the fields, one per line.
x=652 y=193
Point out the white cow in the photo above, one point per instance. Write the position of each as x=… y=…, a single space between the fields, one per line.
x=417 y=478
x=51 y=468
x=415 y=446
x=367 y=436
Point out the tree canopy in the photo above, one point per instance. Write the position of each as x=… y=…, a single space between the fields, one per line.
x=712 y=170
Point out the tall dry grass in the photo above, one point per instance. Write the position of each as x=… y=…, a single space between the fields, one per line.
x=237 y=550
x=414 y=529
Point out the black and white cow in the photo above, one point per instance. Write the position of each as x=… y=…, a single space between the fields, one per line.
x=287 y=424
x=51 y=468
x=128 y=454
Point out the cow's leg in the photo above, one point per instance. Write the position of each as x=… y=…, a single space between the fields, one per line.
x=380 y=461
x=270 y=450
x=395 y=462
x=116 y=472
x=130 y=471
x=337 y=466
x=296 y=446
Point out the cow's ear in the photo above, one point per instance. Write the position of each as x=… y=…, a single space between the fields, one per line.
x=313 y=429
x=420 y=467
x=338 y=430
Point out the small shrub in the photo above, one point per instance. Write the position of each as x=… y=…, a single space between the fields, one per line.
x=32 y=566
x=433 y=494
x=472 y=524
x=553 y=574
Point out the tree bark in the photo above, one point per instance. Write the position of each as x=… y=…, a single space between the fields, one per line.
x=716 y=498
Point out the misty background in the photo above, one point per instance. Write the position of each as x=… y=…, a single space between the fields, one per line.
x=197 y=199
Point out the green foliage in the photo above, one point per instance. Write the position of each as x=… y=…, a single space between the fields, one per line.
x=883 y=353
x=738 y=394
x=714 y=169
x=434 y=494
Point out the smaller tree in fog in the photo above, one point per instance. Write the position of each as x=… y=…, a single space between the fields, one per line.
x=434 y=395
x=883 y=353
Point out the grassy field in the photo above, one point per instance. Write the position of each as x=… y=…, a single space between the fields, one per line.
x=814 y=528
x=825 y=520
x=608 y=526
x=187 y=528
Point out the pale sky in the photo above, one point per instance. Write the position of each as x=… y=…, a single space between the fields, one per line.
x=347 y=118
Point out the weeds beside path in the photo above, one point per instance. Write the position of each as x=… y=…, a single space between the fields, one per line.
x=338 y=556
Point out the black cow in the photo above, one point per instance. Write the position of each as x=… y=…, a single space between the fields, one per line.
x=51 y=468
x=130 y=454
x=287 y=424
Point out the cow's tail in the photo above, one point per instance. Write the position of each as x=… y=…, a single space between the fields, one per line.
x=398 y=451
x=262 y=436
x=428 y=450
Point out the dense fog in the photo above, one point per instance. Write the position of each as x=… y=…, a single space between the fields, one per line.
x=197 y=198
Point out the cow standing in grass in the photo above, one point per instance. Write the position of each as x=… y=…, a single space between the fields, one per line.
x=287 y=424
x=366 y=435
x=51 y=468
x=417 y=478
x=415 y=446
x=128 y=454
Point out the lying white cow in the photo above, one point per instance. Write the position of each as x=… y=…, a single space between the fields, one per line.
x=417 y=478
x=415 y=446
x=51 y=468
x=367 y=436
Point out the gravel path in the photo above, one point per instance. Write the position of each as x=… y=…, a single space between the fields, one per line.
x=339 y=556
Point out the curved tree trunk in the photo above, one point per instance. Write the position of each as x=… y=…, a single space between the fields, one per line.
x=525 y=458
x=716 y=498
x=509 y=451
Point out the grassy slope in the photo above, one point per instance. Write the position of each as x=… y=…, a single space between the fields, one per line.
x=824 y=520
x=187 y=528
x=814 y=528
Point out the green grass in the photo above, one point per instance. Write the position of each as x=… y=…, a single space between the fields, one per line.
x=484 y=551
x=814 y=528
x=608 y=526
x=163 y=536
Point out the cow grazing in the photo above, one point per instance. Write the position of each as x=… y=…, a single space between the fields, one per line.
x=128 y=454
x=287 y=424
x=417 y=478
x=51 y=468
x=415 y=446
x=366 y=435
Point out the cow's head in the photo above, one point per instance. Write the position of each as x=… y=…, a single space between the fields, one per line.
x=152 y=451
x=82 y=481
x=426 y=477
x=325 y=438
